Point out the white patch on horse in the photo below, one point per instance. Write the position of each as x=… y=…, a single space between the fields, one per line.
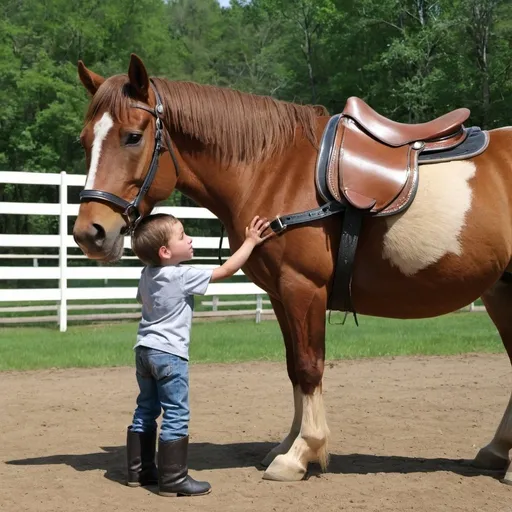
x=310 y=445
x=431 y=226
x=101 y=129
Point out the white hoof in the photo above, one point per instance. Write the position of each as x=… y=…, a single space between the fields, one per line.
x=285 y=469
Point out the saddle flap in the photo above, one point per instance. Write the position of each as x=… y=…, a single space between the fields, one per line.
x=359 y=201
x=368 y=174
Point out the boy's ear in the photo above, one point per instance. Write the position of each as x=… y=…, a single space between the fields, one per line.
x=164 y=253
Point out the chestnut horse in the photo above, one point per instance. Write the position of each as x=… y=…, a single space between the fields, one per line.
x=239 y=155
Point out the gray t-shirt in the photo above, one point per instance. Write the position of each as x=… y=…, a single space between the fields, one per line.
x=167 y=298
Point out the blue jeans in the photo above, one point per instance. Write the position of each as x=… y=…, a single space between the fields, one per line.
x=163 y=385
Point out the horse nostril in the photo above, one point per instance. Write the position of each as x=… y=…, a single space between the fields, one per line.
x=99 y=234
x=90 y=236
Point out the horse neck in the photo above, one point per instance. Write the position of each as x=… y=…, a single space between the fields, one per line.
x=220 y=187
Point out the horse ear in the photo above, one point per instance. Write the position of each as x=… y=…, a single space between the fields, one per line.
x=91 y=80
x=138 y=77
x=320 y=110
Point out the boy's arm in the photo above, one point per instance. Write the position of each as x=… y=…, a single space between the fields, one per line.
x=234 y=263
x=252 y=238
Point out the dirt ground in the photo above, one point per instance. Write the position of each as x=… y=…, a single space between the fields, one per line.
x=403 y=431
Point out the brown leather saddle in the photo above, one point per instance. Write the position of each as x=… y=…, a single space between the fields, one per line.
x=373 y=161
x=369 y=165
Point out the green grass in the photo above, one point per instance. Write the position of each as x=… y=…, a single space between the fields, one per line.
x=24 y=348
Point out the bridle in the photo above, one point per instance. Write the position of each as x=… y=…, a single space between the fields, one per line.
x=130 y=210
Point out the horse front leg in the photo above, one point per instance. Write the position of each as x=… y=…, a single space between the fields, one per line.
x=287 y=442
x=306 y=319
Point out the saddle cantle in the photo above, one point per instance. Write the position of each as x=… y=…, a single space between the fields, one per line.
x=369 y=165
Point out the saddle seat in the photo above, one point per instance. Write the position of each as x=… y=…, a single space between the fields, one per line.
x=397 y=134
x=373 y=162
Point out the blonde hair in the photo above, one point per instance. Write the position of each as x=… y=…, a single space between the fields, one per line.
x=152 y=233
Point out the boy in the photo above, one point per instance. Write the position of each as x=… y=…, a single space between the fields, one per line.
x=166 y=291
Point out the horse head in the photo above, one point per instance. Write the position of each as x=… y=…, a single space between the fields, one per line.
x=125 y=144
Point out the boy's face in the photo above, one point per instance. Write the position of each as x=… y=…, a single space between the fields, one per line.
x=179 y=246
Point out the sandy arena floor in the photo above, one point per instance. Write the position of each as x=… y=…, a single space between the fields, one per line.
x=402 y=433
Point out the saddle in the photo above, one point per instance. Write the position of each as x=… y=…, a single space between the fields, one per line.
x=373 y=161
x=373 y=168
x=368 y=165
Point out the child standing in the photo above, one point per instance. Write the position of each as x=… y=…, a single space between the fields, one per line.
x=166 y=291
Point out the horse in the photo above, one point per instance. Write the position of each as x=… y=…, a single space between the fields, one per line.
x=240 y=154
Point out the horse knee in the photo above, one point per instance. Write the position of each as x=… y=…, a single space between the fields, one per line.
x=309 y=374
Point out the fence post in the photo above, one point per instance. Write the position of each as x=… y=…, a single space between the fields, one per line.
x=215 y=303
x=63 y=251
x=259 y=307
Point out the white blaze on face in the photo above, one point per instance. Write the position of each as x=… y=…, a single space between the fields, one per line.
x=101 y=129
x=432 y=225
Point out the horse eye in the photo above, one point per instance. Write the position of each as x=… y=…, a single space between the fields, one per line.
x=133 y=139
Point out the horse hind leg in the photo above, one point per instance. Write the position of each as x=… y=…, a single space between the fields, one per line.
x=495 y=456
x=288 y=441
x=308 y=333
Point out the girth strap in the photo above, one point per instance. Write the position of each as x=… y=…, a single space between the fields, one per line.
x=341 y=291
x=279 y=224
x=352 y=222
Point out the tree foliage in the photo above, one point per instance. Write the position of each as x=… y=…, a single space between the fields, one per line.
x=410 y=59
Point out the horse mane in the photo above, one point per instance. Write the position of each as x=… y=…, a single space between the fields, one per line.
x=237 y=126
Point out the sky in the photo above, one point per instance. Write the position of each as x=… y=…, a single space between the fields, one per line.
x=224 y=3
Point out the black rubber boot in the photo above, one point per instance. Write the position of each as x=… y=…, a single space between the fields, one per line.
x=173 y=478
x=140 y=448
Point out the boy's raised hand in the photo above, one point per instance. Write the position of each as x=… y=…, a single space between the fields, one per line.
x=254 y=231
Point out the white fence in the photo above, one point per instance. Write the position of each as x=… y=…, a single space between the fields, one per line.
x=62 y=294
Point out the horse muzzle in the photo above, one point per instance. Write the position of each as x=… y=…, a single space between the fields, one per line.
x=96 y=244
x=99 y=239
